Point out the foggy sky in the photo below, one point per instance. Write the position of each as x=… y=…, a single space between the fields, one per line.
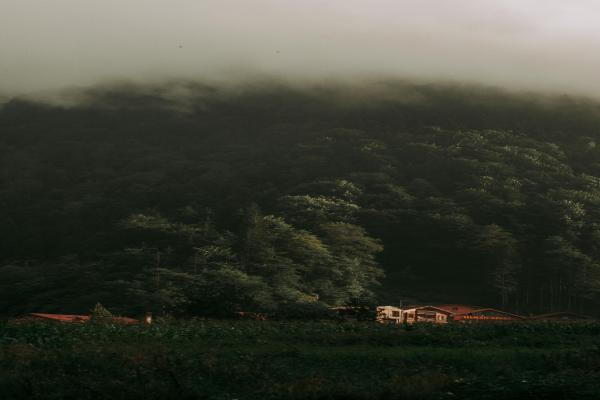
x=524 y=44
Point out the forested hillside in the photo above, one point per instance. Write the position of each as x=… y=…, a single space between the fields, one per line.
x=200 y=200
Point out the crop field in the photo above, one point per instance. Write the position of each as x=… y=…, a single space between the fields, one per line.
x=211 y=359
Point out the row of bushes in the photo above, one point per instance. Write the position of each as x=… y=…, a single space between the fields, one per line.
x=216 y=359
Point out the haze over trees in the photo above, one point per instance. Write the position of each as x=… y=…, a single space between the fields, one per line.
x=281 y=199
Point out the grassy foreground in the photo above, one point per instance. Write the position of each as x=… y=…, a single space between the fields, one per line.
x=299 y=360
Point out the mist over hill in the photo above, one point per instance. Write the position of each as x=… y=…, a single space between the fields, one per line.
x=204 y=199
x=550 y=46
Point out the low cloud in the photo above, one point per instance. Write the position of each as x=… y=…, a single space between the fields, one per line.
x=516 y=44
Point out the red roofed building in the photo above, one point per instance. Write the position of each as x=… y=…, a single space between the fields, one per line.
x=69 y=318
x=466 y=313
x=429 y=314
x=458 y=308
x=487 y=315
x=58 y=317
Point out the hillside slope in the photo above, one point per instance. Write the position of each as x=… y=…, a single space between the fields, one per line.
x=271 y=197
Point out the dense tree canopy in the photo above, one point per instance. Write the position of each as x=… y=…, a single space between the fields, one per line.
x=278 y=199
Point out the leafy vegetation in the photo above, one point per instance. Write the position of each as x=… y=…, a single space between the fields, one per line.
x=291 y=200
x=212 y=359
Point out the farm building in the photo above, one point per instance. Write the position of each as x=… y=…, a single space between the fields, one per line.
x=56 y=318
x=466 y=313
x=458 y=308
x=396 y=315
x=69 y=318
x=428 y=314
x=487 y=315
x=443 y=314
x=389 y=315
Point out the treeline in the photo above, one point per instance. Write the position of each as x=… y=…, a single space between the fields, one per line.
x=272 y=198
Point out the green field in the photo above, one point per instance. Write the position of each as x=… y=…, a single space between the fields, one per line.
x=208 y=359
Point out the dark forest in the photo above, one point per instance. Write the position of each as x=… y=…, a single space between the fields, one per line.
x=287 y=200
